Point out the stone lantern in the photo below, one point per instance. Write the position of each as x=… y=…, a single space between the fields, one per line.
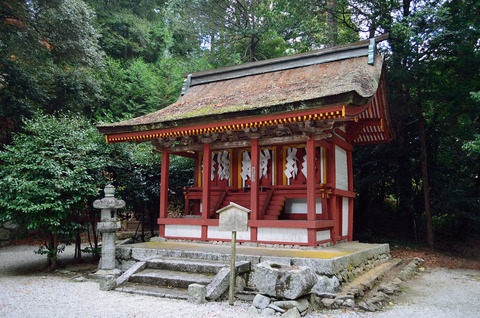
x=107 y=226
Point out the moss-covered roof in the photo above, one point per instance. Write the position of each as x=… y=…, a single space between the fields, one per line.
x=348 y=80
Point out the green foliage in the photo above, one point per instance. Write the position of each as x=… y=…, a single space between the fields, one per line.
x=136 y=88
x=133 y=29
x=433 y=63
x=49 y=171
x=48 y=56
x=48 y=174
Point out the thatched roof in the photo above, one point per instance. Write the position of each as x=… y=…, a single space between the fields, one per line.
x=315 y=79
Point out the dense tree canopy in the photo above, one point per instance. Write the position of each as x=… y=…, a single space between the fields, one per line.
x=49 y=54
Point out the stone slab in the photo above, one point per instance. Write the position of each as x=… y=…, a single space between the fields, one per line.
x=170 y=278
x=323 y=260
x=155 y=291
x=132 y=270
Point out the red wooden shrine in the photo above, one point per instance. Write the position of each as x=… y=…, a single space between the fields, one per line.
x=258 y=131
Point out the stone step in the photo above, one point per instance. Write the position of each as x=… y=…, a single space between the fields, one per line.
x=194 y=265
x=247 y=294
x=178 y=279
x=150 y=290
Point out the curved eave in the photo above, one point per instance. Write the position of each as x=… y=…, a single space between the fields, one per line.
x=337 y=113
x=352 y=99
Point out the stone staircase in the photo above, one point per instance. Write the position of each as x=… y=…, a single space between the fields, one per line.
x=170 y=277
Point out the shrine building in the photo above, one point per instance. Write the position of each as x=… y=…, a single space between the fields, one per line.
x=274 y=136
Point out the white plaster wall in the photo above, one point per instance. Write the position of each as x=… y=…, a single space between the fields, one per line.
x=341 y=168
x=345 y=203
x=271 y=234
x=180 y=230
x=299 y=205
x=323 y=235
x=214 y=233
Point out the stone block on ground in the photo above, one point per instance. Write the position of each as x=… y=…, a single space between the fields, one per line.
x=276 y=308
x=253 y=311
x=388 y=289
x=300 y=304
x=368 y=306
x=240 y=284
x=260 y=301
x=197 y=293
x=4 y=234
x=268 y=312
x=326 y=284
x=349 y=303
x=292 y=313
x=328 y=303
x=107 y=282
x=315 y=302
x=283 y=281
x=219 y=284
x=9 y=225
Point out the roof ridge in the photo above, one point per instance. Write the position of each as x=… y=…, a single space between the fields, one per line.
x=357 y=49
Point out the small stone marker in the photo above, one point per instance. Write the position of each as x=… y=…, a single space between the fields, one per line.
x=233 y=218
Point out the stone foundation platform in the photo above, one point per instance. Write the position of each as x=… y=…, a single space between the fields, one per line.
x=345 y=260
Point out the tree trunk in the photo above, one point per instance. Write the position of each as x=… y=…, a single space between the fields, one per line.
x=78 y=246
x=251 y=49
x=332 y=23
x=426 y=190
x=52 y=251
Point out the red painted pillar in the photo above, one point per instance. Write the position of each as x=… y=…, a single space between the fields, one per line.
x=350 y=200
x=206 y=187
x=332 y=202
x=164 y=191
x=311 y=199
x=254 y=184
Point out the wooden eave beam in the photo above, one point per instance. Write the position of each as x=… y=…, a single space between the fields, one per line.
x=271 y=141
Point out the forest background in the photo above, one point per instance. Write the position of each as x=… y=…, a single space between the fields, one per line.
x=67 y=65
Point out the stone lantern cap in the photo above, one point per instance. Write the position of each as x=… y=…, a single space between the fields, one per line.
x=109 y=202
x=233 y=217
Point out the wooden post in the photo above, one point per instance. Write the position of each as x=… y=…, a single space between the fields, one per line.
x=231 y=290
x=332 y=202
x=233 y=218
x=164 y=190
x=206 y=187
x=311 y=199
x=254 y=197
x=350 y=200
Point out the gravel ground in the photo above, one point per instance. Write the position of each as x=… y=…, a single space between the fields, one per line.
x=27 y=291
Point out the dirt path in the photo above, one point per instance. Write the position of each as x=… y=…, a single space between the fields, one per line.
x=439 y=293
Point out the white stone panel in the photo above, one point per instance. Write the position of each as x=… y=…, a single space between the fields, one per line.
x=214 y=233
x=271 y=234
x=341 y=168
x=345 y=202
x=181 y=230
x=321 y=151
x=299 y=205
x=323 y=235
